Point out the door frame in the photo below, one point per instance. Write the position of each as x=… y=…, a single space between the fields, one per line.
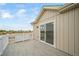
x=54 y=45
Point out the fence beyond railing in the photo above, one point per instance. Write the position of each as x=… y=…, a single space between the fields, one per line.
x=20 y=37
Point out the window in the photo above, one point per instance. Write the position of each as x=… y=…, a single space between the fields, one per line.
x=47 y=33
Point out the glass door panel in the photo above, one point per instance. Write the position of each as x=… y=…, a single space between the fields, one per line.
x=50 y=33
x=42 y=32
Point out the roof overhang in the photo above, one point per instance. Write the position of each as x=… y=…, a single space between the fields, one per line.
x=60 y=9
x=68 y=7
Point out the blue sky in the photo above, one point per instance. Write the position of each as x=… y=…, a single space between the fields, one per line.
x=18 y=16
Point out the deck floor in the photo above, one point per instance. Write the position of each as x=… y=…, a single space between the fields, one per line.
x=31 y=48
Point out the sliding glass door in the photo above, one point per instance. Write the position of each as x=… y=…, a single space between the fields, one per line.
x=47 y=33
x=43 y=32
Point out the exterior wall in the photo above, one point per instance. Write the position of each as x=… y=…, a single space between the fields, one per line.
x=76 y=31
x=67 y=32
x=36 y=31
x=66 y=29
x=47 y=17
x=71 y=32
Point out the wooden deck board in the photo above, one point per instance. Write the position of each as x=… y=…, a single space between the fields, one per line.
x=31 y=48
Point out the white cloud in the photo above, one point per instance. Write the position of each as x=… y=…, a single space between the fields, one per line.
x=21 y=13
x=5 y=14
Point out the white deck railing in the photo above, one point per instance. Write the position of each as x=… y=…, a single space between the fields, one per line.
x=21 y=36
x=4 y=39
x=3 y=43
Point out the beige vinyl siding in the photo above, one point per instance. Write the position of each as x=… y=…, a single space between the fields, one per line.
x=77 y=31
x=66 y=29
x=71 y=32
x=47 y=17
x=58 y=32
x=36 y=34
x=65 y=32
x=66 y=23
x=69 y=40
x=61 y=32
